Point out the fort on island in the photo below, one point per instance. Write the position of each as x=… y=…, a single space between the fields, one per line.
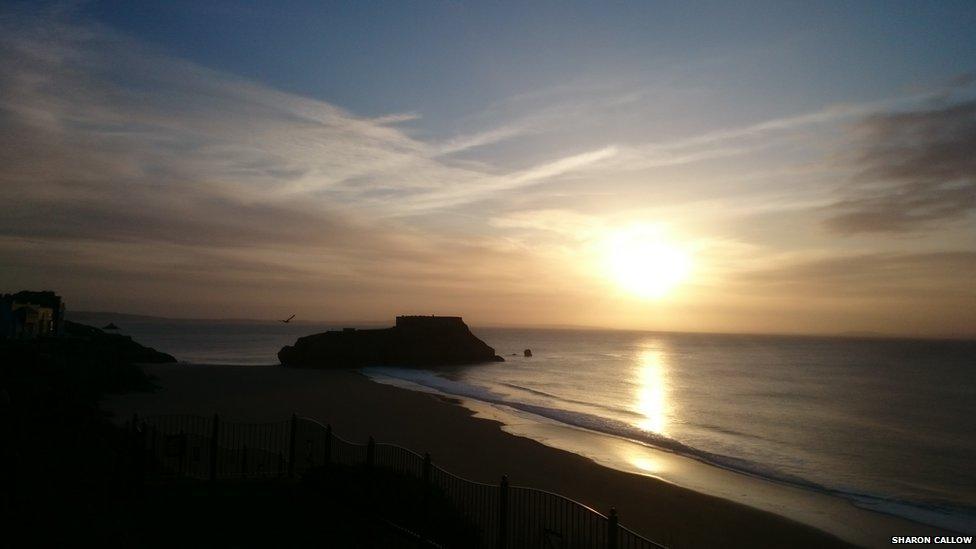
x=413 y=341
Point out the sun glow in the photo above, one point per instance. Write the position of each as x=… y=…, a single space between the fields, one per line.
x=642 y=261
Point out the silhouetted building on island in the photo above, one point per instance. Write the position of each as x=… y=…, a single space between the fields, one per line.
x=429 y=322
x=26 y=314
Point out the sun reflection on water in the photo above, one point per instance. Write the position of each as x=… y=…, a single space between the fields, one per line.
x=646 y=464
x=651 y=400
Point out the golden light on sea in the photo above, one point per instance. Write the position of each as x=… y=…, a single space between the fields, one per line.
x=641 y=260
x=651 y=400
x=645 y=464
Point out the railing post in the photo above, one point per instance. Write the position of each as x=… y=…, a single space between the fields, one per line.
x=130 y=477
x=181 y=467
x=328 y=444
x=370 y=452
x=154 y=448
x=213 y=447
x=291 y=447
x=139 y=459
x=612 y=529
x=244 y=462
x=503 y=513
x=425 y=502
x=370 y=480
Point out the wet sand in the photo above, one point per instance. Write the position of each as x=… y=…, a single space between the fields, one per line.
x=474 y=448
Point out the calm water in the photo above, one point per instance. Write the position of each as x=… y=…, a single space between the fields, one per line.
x=887 y=424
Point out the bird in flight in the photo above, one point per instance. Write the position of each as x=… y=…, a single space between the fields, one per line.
x=287 y=320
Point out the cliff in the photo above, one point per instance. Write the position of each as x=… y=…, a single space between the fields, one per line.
x=414 y=341
x=71 y=372
x=115 y=345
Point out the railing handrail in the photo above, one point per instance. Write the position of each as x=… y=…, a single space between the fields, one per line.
x=335 y=436
x=370 y=447
x=398 y=447
x=411 y=534
x=562 y=497
x=205 y=418
x=459 y=477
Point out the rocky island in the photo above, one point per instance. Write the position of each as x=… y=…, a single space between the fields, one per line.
x=414 y=341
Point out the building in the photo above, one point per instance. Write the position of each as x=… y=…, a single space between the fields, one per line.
x=26 y=315
x=431 y=321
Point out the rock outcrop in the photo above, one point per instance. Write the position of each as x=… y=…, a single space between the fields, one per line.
x=116 y=345
x=417 y=341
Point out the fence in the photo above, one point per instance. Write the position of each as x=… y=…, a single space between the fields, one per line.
x=504 y=515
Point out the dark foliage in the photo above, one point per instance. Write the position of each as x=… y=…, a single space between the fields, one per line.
x=61 y=458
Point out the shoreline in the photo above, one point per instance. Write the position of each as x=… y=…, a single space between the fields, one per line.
x=821 y=509
x=483 y=448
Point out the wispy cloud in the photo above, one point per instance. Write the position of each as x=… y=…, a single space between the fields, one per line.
x=918 y=171
x=128 y=169
x=90 y=112
x=467 y=142
x=895 y=276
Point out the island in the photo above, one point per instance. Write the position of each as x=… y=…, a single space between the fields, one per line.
x=415 y=341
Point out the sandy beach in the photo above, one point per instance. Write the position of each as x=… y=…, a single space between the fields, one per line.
x=478 y=449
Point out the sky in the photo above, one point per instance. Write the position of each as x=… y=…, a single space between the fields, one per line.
x=774 y=167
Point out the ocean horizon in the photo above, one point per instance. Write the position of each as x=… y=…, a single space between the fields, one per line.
x=874 y=421
x=102 y=317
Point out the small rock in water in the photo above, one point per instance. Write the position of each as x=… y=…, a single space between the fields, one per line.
x=527 y=352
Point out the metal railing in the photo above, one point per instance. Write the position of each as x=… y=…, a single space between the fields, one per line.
x=504 y=516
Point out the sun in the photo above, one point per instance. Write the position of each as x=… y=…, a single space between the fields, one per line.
x=641 y=261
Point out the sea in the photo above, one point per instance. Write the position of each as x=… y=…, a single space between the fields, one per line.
x=886 y=424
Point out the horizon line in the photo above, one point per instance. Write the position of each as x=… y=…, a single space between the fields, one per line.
x=847 y=334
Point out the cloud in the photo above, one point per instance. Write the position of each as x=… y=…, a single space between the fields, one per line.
x=121 y=166
x=480 y=139
x=88 y=111
x=491 y=185
x=895 y=276
x=105 y=139
x=566 y=223
x=917 y=171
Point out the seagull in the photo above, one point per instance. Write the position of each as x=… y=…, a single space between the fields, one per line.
x=287 y=320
